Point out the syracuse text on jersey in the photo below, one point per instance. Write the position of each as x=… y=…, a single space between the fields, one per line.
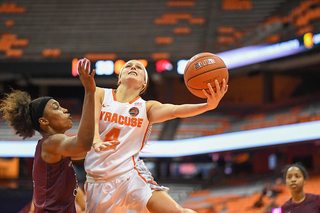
x=120 y=119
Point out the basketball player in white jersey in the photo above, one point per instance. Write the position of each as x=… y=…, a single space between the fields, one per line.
x=116 y=178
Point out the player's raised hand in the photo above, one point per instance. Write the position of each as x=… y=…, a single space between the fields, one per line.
x=214 y=97
x=86 y=78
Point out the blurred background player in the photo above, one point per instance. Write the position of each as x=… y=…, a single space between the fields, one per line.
x=295 y=176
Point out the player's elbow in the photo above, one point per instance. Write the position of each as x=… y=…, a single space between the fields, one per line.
x=86 y=143
x=179 y=115
x=87 y=147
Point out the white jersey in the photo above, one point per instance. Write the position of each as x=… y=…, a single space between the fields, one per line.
x=126 y=123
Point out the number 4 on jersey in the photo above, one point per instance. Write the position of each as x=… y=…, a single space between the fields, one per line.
x=112 y=136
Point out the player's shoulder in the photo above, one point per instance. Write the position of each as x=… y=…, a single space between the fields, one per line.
x=54 y=139
x=151 y=103
x=51 y=147
x=100 y=91
x=313 y=196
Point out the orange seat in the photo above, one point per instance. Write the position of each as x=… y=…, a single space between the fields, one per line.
x=160 y=55
x=14 y=53
x=186 y=3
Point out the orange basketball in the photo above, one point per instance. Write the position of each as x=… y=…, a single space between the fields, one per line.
x=204 y=68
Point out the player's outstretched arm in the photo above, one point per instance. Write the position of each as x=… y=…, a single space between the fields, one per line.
x=86 y=128
x=62 y=145
x=158 y=112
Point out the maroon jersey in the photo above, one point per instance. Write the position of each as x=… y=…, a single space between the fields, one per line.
x=310 y=205
x=54 y=185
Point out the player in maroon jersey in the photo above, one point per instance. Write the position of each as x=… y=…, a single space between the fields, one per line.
x=54 y=181
x=295 y=176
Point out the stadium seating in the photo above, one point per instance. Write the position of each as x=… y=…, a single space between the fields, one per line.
x=95 y=25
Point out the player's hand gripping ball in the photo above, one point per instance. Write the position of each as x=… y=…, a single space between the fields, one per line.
x=204 y=68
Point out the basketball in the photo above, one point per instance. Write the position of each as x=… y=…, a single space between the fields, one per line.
x=204 y=68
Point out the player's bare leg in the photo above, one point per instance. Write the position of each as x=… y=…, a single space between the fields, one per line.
x=161 y=202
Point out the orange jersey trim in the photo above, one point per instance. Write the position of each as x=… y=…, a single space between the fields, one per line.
x=115 y=99
x=114 y=95
x=144 y=138
x=140 y=175
x=134 y=163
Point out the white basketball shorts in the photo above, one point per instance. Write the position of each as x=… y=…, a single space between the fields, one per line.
x=131 y=190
